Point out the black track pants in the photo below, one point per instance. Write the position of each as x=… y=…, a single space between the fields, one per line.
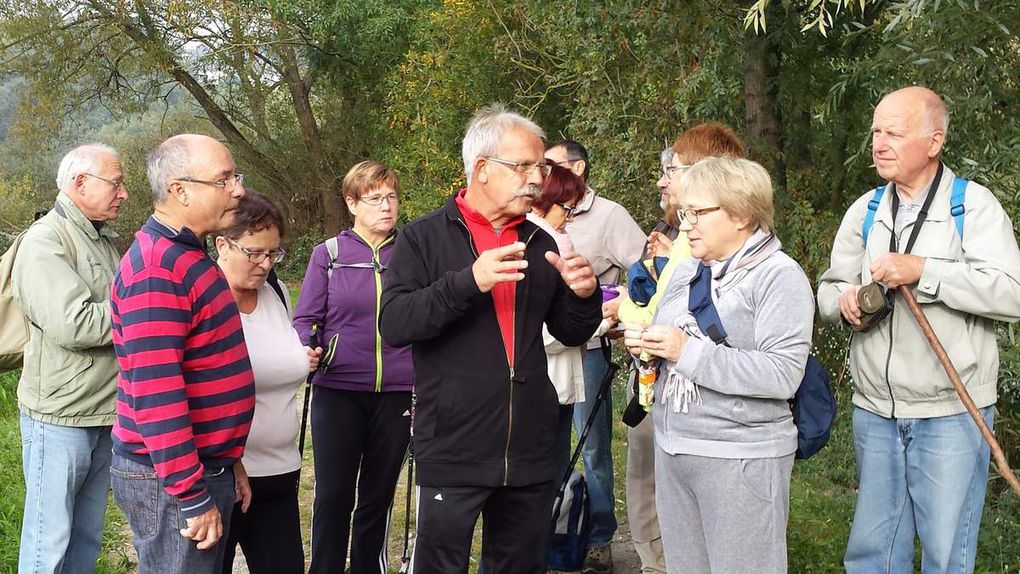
x=352 y=432
x=270 y=532
x=515 y=528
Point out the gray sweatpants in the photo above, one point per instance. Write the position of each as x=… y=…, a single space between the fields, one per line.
x=723 y=515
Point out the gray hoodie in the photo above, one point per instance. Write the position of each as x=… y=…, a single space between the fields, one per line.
x=766 y=306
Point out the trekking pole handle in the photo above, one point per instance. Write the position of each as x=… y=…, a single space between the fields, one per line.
x=313 y=336
x=1000 y=458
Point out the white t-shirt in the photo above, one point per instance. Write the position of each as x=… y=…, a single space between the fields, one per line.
x=280 y=365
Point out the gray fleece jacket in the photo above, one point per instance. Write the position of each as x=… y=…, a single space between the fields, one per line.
x=766 y=306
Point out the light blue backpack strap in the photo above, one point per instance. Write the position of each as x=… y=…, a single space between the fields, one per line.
x=869 y=218
x=956 y=203
x=333 y=248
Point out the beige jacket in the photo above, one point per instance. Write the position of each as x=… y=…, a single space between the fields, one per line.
x=965 y=287
x=69 y=376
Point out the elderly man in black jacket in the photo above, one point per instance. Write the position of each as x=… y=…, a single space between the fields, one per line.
x=469 y=287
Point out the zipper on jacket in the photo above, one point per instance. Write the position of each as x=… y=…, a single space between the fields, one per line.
x=510 y=409
x=377 y=271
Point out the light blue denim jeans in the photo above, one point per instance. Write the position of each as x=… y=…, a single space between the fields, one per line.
x=156 y=520
x=597 y=452
x=917 y=476
x=67 y=476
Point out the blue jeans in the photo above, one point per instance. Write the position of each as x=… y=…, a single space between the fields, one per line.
x=66 y=480
x=156 y=520
x=597 y=452
x=923 y=476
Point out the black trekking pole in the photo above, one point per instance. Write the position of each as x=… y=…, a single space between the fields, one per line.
x=313 y=343
x=405 y=557
x=600 y=398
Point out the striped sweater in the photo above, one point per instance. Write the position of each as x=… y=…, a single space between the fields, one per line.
x=185 y=394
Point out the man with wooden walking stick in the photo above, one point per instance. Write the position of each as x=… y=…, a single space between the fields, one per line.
x=922 y=462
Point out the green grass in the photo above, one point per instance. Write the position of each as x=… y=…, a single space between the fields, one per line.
x=116 y=534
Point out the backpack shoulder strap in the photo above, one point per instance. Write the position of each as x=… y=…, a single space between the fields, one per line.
x=956 y=201
x=274 y=282
x=64 y=238
x=702 y=308
x=869 y=218
x=333 y=248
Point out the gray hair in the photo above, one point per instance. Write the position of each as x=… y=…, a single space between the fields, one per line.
x=169 y=161
x=666 y=157
x=486 y=130
x=82 y=159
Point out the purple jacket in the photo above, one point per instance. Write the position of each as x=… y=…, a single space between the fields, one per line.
x=348 y=305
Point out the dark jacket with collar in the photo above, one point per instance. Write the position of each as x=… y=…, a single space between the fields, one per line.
x=479 y=422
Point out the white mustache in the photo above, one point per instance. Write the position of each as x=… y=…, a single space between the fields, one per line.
x=532 y=191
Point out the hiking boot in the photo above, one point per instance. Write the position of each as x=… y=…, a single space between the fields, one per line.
x=598 y=561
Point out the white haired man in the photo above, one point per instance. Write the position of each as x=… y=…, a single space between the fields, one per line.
x=68 y=388
x=469 y=287
x=921 y=462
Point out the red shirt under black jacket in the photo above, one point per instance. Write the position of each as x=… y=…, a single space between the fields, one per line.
x=485 y=237
x=185 y=394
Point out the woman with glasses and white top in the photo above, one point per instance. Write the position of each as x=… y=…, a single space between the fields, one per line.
x=561 y=190
x=361 y=401
x=724 y=432
x=266 y=521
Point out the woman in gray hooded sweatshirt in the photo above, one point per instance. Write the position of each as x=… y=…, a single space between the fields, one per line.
x=724 y=433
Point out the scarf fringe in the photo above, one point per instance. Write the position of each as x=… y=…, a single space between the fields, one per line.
x=682 y=390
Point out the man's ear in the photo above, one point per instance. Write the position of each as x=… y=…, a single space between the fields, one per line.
x=481 y=171
x=938 y=139
x=578 y=167
x=79 y=183
x=177 y=191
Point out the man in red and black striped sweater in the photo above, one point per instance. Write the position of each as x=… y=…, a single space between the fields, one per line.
x=185 y=395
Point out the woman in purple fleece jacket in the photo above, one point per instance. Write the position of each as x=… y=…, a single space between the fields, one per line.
x=362 y=395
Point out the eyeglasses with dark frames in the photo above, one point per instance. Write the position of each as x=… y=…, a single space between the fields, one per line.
x=523 y=167
x=571 y=210
x=116 y=183
x=257 y=257
x=236 y=181
x=692 y=215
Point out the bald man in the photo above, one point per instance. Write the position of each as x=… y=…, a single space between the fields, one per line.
x=185 y=394
x=922 y=464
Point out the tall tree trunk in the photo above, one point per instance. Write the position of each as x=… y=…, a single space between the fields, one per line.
x=334 y=213
x=761 y=109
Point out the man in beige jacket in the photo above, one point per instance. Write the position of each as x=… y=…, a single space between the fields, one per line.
x=922 y=464
x=68 y=388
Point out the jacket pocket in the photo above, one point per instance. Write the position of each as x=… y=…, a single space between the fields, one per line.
x=471 y=418
x=59 y=366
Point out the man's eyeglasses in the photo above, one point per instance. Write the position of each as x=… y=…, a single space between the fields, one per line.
x=257 y=257
x=524 y=168
x=571 y=210
x=374 y=200
x=670 y=170
x=228 y=182
x=116 y=183
x=692 y=215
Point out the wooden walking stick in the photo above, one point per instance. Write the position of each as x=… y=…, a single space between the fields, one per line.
x=1000 y=458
